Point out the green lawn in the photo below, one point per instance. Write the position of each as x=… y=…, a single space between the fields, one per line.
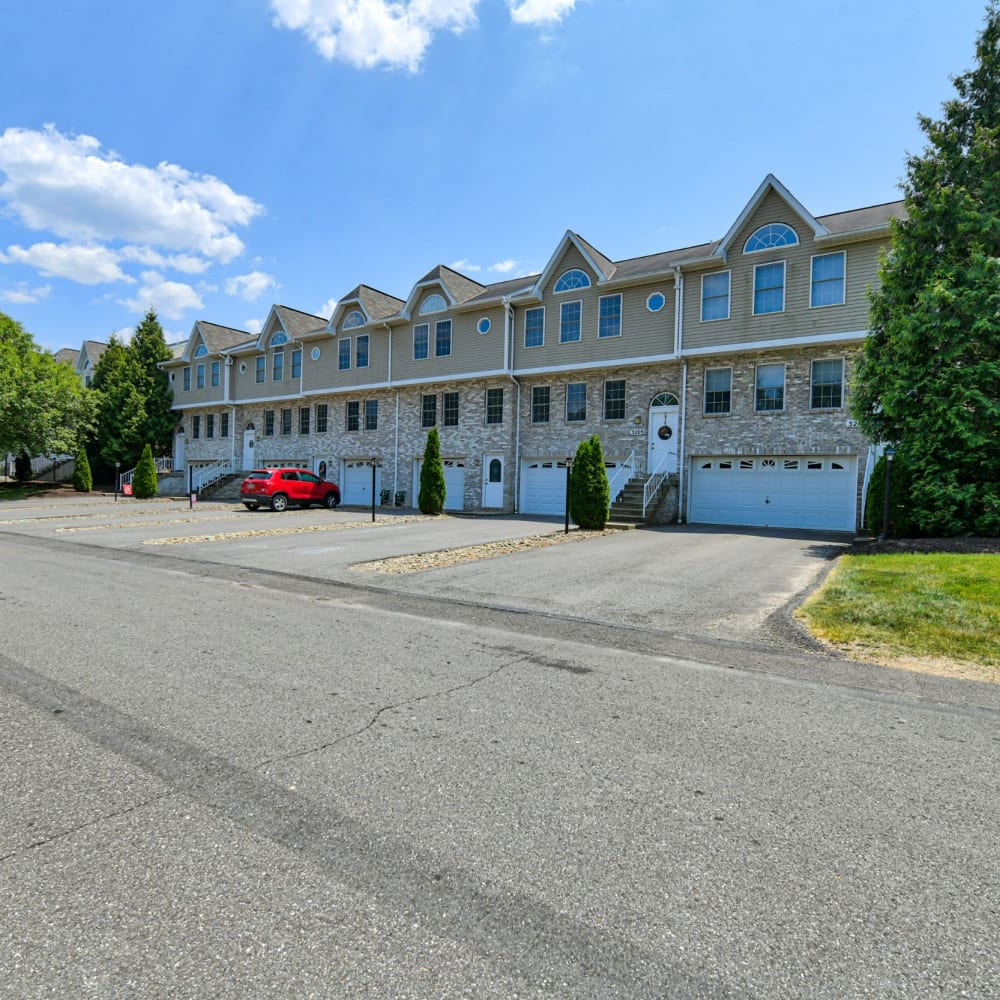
x=945 y=606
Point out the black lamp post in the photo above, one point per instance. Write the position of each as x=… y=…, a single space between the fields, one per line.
x=890 y=454
x=569 y=465
x=118 y=465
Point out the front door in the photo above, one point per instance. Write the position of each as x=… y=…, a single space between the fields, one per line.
x=493 y=480
x=248 y=443
x=179 y=449
x=661 y=454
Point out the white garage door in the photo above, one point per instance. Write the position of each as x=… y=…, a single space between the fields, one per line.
x=543 y=486
x=356 y=483
x=781 y=491
x=454 y=483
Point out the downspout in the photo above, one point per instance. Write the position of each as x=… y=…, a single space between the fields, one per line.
x=225 y=399
x=682 y=459
x=395 y=439
x=508 y=350
x=678 y=347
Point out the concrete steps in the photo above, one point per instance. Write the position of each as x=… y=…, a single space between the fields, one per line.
x=626 y=511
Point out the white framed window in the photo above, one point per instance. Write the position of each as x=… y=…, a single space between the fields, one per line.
x=571 y=280
x=187 y=378
x=614 y=399
x=828 y=280
x=715 y=296
x=278 y=338
x=484 y=325
x=361 y=351
x=216 y=374
x=421 y=340
x=826 y=384
x=200 y=375
x=344 y=354
x=609 y=316
x=769 y=288
x=570 y=321
x=774 y=234
x=201 y=351
x=353 y=319
x=278 y=366
x=534 y=327
x=260 y=370
x=433 y=304
x=769 y=394
x=442 y=338
x=718 y=390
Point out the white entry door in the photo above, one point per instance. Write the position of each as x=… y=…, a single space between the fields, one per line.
x=179 y=450
x=663 y=425
x=493 y=480
x=249 y=437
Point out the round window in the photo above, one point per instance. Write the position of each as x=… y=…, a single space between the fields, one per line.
x=484 y=325
x=315 y=354
x=656 y=302
x=243 y=368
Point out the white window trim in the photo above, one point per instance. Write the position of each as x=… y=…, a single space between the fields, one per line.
x=368 y=351
x=426 y=357
x=704 y=391
x=649 y=308
x=425 y=308
x=586 y=400
x=562 y=310
x=843 y=386
x=451 y=338
x=576 y=288
x=784 y=385
x=621 y=315
x=525 y=328
x=729 y=296
x=779 y=246
x=340 y=355
x=843 y=280
x=350 y=323
x=784 y=287
x=274 y=357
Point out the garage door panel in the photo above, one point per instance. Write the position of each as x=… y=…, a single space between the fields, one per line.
x=794 y=491
x=543 y=486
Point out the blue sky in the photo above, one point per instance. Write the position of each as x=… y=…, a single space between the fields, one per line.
x=212 y=159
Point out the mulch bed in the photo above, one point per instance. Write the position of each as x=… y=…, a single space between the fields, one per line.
x=960 y=546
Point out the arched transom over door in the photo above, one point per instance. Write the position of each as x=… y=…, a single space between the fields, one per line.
x=663 y=424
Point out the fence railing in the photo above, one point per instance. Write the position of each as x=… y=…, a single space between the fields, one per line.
x=164 y=464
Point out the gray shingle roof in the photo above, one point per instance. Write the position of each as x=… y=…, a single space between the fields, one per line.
x=296 y=322
x=218 y=338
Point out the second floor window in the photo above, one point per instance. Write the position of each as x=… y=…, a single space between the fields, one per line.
x=216 y=374
x=442 y=338
x=261 y=368
x=187 y=379
x=200 y=375
x=278 y=366
x=769 y=288
x=570 y=316
x=297 y=364
x=828 y=280
x=361 y=351
x=715 y=296
x=494 y=406
x=534 y=327
x=421 y=338
x=609 y=321
x=344 y=354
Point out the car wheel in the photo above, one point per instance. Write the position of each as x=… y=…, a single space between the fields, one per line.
x=251 y=506
x=279 y=503
x=331 y=500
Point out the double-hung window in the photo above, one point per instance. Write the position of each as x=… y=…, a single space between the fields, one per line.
x=210 y=426
x=361 y=351
x=714 y=296
x=534 y=327
x=718 y=390
x=268 y=423
x=828 y=280
x=494 y=406
x=187 y=379
x=428 y=411
x=609 y=316
x=303 y=419
x=827 y=384
x=278 y=366
x=321 y=417
x=343 y=354
x=353 y=416
x=769 y=288
x=224 y=425
x=576 y=401
x=371 y=414
x=216 y=374
x=614 y=399
x=442 y=338
x=196 y=426
x=540 y=404
x=286 y=422
x=421 y=340
x=450 y=407
x=570 y=319
x=199 y=375
x=261 y=368
x=297 y=364
x=770 y=388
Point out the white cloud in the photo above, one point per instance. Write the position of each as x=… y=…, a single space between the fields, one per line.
x=69 y=186
x=327 y=308
x=503 y=266
x=171 y=299
x=23 y=295
x=368 y=33
x=148 y=257
x=539 y=11
x=87 y=265
x=250 y=286
x=253 y=326
x=465 y=267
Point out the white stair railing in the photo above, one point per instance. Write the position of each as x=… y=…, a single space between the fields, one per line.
x=200 y=478
x=622 y=475
x=163 y=464
x=655 y=480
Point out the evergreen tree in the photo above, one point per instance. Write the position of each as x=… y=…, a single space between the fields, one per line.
x=148 y=348
x=432 y=488
x=83 y=481
x=144 y=480
x=589 y=492
x=22 y=467
x=928 y=380
x=121 y=411
x=900 y=518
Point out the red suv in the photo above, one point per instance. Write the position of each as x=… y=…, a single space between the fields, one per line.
x=281 y=487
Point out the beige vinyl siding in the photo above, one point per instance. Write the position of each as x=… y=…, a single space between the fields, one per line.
x=798 y=319
x=244 y=386
x=195 y=396
x=644 y=334
x=325 y=374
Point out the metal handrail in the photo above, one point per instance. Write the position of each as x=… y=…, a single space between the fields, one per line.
x=655 y=480
x=200 y=478
x=624 y=472
x=163 y=464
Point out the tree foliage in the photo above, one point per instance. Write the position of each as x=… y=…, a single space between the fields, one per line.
x=589 y=492
x=43 y=407
x=144 y=479
x=83 y=480
x=901 y=524
x=432 y=488
x=929 y=378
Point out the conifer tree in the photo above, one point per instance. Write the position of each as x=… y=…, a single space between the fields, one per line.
x=148 y=348
x=589 y=492
x=144 y=480
x=83 y=481
x=432 y=488
x=928 y=380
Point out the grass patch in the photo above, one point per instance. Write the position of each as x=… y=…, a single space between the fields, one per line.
x=921 y=605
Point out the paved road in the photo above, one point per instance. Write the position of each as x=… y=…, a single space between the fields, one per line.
x=222 y=779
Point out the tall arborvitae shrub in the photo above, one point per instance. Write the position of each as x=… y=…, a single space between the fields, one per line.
x=144 y=480
x=901 y=523
x=589 y=493
x=22 y=467
x=83 y=481
x=432 y=488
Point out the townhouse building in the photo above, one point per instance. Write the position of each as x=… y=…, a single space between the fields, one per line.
x=721 y=369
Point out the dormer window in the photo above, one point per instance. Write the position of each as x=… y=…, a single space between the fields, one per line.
x=353 y=319
x=279 y=338
x=572 y=280
x=433 y=304
x=775 y=234
x=201 y=351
